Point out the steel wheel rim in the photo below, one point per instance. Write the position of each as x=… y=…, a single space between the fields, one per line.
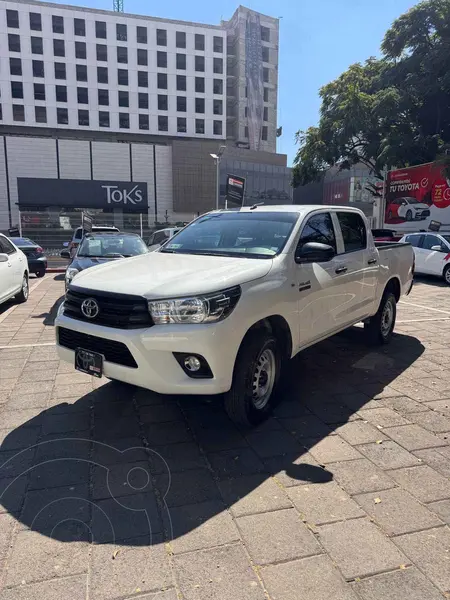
x=25 y=287
x=263 y=378
x=387 y=318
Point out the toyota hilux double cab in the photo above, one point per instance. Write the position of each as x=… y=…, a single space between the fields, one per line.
x=222 y=305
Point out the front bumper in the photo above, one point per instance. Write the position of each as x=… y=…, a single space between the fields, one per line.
x=152 y=349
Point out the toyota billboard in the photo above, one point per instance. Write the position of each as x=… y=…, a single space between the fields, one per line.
x=417 y=195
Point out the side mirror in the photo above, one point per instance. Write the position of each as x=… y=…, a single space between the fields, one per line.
x=312 y=252
x=437 y=248
x=65 y=254
x=3 y=257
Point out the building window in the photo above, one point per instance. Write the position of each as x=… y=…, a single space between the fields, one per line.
x=199 y=41
x=266 y=94
x=103 y=119
x=16 y=89
x=161 y=59
x=199 y=125
x=35 y=22
x=124 y=121
x=122 y=54
x=62 y=116
x=181 y=61
x=181 y=83
x=246 y=132
x=60 y=70
x=121 y=32
x=264 y=133
x=217 y=44
x=100 y=30
x=124 y=99
x=40 y=114
x=103 y=97
x=265 y=75
x=102 y=74
x=180 y=39
x=200 y=85
x=142 y=100
x=57 y=24
x=181 y=103
x=141 y=35
x=13 y=42
x=15 y=66
x=18 y=112
x=163 y=103
x=199 y=105
x=142 y=79
x=82 y=95
x=144 y=122
x=83 y=118
x=80 y=50
x=37 y=46
x=265 y=54
x=59 y=48
x=79 y=27
x=217 y=127
x=200 y=63
x=162 y=81
x=161 y=37
x=181 y=125
x=61 y=93
x=218 y=86
x=38 y=68
x=81 y=71
x=265 y=34
x=163 y=123
x=246 y=112
x=217 y=107
x=122 y=77
x=102 y=52
x=12 y=18
x=218 y=65
x=265 y=114
x=39 y=91
x=142 y=57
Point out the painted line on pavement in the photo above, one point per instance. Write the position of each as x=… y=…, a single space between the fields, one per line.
x=444 y=312
x=28 y=345
x=422 y=320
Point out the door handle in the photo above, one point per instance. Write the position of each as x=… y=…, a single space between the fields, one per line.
x=9 y=264
x=372 y=261
x=340 y=270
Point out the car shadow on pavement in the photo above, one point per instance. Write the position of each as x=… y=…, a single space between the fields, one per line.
x=123 y=464
x=49 y=317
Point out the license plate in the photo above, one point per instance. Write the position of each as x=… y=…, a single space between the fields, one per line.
x=89 y=362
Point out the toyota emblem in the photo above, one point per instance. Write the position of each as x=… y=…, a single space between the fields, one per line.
x=90 y=308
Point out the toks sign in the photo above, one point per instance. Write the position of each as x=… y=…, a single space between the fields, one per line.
x=131 y=196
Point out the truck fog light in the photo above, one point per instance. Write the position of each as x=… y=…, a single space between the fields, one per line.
x=192 y=364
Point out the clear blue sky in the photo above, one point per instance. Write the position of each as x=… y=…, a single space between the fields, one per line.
x=318 y=40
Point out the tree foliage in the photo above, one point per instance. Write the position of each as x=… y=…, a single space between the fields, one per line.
x=387 y=112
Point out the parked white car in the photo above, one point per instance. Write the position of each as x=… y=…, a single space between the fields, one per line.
x=158 y=238
x=13 y=272
x=411 y=209
x=220 y=307
x=431 y=252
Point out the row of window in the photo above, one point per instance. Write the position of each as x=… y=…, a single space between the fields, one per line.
x=79 y=29
x=62 y=118
x=264 y=133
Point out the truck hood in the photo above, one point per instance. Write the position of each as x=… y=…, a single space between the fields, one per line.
x=158 y=275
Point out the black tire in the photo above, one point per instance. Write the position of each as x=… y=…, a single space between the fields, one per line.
x=408 y=215
x=378 y=329
x=241 y=402
x=446 y=274
x=40 y=273
x=22 y=296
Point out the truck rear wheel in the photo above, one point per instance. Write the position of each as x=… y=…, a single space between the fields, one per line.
x=381 y=326
x=256 y=374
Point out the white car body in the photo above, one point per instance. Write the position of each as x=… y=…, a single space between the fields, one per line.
x=412 y=210
x=160 y=237
x=13 y=269
x=431 y=253
x=310 y=302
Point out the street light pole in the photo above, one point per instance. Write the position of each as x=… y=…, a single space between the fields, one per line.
x=217 y=158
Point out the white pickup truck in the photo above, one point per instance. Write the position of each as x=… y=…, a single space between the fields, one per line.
x=224 y=303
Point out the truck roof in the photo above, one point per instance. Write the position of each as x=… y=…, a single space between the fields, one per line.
x=298 y=208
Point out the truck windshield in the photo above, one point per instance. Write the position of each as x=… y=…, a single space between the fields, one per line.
x=241 y=234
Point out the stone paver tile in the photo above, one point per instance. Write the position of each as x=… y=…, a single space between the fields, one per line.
x=12 y=419
x=360 y=476
x=388 y=455
x=441 y=508
x=160 y=434
x=32 y=388
x=67 y=391
x=406 y=584
x=23 y=401
x=235 y=463
x=405 y=405
x=359 y=548
x=35 y=375
x=6 y=528
x=62 y=423
x=397 y=512
x=323 y=503
x=6 y=385
x=253 y=494
x=36 y=557
x=333 y=412
x=56 y=589
x=332 y=449
x=440 y=406
x=292 y=469
x=133 y=570
x=383 y=417
x=273 y=443
x=187 y=487
x=306 y=426
x=166 y=595
x=315 y=578
x=58 y=473
x=435 y=458
x=423 y=482
x=430 y=552
x=160 y=413
x=277 y=536
x=176 y=457
x=18 y=439
x=217 y=574
x=432 y=421
x=413 y=437
x=12 y=494
x=291 y=408
x=358 y=432
x=123 y=479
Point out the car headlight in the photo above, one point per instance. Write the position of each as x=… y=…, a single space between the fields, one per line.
x=60 y=309
x=70 y=273
x=196 y=309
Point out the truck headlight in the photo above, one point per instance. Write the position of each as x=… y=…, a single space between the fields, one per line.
x=196 y=309
x=70 y=273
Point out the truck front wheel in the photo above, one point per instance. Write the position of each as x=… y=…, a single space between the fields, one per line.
x=256 y=374
x=381 y=326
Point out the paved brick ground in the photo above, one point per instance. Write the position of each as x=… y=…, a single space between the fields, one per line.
x=113 y=493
